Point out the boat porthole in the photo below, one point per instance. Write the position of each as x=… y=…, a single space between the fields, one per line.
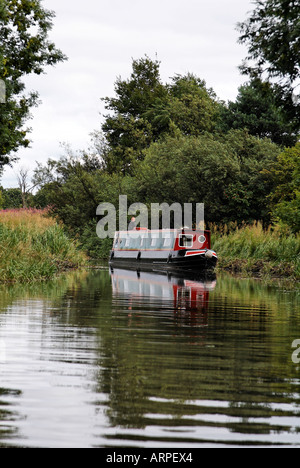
x=201 y=239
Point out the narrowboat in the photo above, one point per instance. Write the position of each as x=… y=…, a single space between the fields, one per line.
x=177 y=249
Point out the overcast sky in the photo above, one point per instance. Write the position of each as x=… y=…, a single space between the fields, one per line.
x=101 y=37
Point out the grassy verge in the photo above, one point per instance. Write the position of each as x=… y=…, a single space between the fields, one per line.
x=256 y=251
x=34 y=247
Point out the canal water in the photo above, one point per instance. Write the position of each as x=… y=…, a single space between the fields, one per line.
x=120 y=359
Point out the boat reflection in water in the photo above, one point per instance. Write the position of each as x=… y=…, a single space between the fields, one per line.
x=183 y=295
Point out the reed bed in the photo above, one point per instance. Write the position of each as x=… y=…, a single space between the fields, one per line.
x=34 y=247
x=254 y=249
x=31 y=217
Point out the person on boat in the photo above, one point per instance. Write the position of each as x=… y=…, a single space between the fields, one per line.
x=132 y=224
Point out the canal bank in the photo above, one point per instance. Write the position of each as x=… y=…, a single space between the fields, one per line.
x=254 y=251
x=34 y=247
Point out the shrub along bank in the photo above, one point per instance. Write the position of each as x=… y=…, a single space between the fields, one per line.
x=34 y=247
x=251 y=249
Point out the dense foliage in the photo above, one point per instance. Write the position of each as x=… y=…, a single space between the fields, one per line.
x=168 y=142
x=184 y=159
x=272 y=35
x=145 y=109
x=24 y=49
x=261 y=107
x=286 y=196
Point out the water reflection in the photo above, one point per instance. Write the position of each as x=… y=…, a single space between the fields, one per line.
x=160 y=314
x=176 y=292
x=117 y=358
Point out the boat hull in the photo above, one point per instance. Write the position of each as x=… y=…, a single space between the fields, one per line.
x=164 y=260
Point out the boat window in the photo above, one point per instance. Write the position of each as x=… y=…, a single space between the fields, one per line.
x=136 y=243
x=143 y=242
x=124 y=242
x=168 y=241
x=186 y=240
x=154 y=240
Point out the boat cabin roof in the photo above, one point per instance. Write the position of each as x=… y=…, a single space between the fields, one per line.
x=163 y=239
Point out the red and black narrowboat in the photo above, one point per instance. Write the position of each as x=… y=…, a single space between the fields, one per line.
x=179 y=249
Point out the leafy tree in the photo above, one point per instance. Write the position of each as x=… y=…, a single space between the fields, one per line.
x=75 y=185
x=24 y=49
x=144 y=109
x=190 y=107
x=12 y=198
x=225 y=173
x=70 y=189
x=1 y=200
x=286 y=195
x=272 y=34
x=256 y=158
x=126 y=130
x=184 y=169
x=259 y=109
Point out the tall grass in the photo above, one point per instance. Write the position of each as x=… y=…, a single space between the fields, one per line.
x=34 y=247
x=30 y=217
x=255 y=249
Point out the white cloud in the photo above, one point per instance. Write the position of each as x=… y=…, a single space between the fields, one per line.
x=101 y=37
